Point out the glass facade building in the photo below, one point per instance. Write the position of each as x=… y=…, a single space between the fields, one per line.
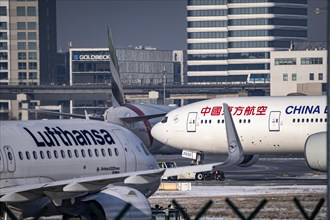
x=231 y=40
x=136 y=66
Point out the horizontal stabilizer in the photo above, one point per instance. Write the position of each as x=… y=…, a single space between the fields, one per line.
x=141 y=118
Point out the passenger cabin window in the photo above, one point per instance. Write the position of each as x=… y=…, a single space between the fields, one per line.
x=20 y=155
x=35 y=155
x=49 y=155
x=83 y=154
x=55 y=154
x=116 y=152
x=42 y=155
x=109 y=152
x=27 y=155
x=90 y=154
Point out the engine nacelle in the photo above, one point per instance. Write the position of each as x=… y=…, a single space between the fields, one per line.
x=114 y=199
x=249 y=160
x=316 y=151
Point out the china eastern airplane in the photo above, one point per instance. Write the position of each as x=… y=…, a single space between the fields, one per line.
x=84 y=168
x=265 y=125
x=139 y=118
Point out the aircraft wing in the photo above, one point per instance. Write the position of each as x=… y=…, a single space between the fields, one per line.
x=59 y=190
x=99 y=118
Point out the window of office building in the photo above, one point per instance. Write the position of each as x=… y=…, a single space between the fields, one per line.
x=294 y=77
x=3 y=75
x=32 y=75
x=3 y=56
x=3 y=25
x=3 y=36
x=285 y=61
x=3 y=10
x=21 y=55
x=311 y=60
x=198 y=13
x=21 y=65
x=32 y=25
x=32 y=55
x=285 y=77
x=22 y=75
x=320 y=76
x=32 y=45
x=21 y=25
x=3 y=66
x=311 y=76
x=4 y=105
x=31 y=11
x=21 y=45
x=32 y=35
x=207 y=2
x=21 y=36
x=32 y=65
x=20 y=11
x=3 y=46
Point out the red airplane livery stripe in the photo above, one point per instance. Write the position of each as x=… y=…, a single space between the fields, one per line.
x=146 y=121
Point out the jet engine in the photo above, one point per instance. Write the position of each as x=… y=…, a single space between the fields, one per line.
x=110 y=202
x=249 y=160
x=316 y=151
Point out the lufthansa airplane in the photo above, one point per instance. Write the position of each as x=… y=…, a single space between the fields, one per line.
x=83 y=168
x=138 y=118
x=275 y=125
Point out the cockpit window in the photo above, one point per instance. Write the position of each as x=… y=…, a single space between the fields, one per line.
x=164 y=120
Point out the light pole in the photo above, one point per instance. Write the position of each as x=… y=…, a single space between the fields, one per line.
x=164 y=83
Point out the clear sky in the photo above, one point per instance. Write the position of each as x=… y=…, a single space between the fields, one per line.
x=157 y=23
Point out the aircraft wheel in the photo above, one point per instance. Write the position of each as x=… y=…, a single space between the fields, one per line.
x=199 y=176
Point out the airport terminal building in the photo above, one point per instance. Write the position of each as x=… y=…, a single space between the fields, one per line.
x=231 y=40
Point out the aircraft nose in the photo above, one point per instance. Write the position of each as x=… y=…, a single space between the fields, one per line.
x=159 y=132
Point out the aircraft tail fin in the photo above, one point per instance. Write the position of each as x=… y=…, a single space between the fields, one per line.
x=118 y=97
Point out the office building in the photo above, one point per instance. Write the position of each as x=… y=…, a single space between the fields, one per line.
x=28 y=42
x=231 y=40
x=302 y=70
x=138 y=67
x=27 y=47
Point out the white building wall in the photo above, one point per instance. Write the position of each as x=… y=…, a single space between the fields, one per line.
x=280 y=86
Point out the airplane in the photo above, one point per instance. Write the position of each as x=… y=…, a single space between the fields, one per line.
x=266 y=125
x=139 y=118
x=84 y=168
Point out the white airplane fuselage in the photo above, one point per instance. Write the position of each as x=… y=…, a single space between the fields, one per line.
x=34 y=152
x=264 y=124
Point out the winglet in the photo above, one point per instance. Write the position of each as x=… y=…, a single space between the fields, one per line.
x=118 y=97
x=235 y=149
x=86 y=115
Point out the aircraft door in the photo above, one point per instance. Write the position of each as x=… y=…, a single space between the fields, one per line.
x=191 y=121
x=130 y=158
x=1 y=162
x=11 y=165
x=274 y=121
